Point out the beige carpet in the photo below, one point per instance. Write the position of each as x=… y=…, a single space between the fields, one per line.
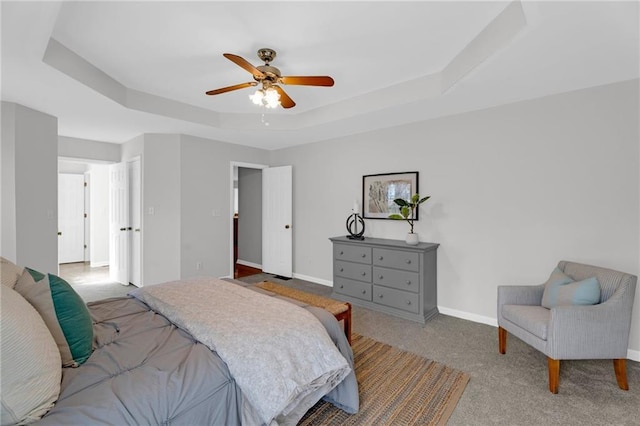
x=396 y=388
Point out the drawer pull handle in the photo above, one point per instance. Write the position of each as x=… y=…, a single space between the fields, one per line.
x=341 y=285
x=364 y=254
x=341 y=269
x=408 y=261
x=381 y=258
x=364 y=274
x=408 y=302
x=364 y=291
x=408 y=282
x=380 y=296
x=341 y=252
x=381 y=277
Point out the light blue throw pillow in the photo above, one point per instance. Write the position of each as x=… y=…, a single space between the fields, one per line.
x=561 y=290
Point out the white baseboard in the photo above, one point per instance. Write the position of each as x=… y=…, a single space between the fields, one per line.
x=249 y=264
x=313 y=279
x=631 y=354
x=99 y=264
x=468 y=316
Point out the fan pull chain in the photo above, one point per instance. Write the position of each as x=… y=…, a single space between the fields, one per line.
x=265 y=122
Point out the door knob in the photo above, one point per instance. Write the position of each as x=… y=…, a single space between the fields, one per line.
x=129 y=228
x=59 y=233
x=137 y=230
x=287 y=227
x=123 y=229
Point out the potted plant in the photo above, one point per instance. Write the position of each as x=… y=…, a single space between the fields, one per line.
x=407 y=210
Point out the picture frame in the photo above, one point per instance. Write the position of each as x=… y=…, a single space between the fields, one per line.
x=379 y=191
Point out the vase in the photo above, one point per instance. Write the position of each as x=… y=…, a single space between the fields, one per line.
x=412 y=239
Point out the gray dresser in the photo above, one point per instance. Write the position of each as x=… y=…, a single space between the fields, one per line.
x=387 y=275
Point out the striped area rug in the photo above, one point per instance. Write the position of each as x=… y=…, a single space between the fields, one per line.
x=396 y=388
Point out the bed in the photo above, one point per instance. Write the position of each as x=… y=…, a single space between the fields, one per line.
x=145 y=369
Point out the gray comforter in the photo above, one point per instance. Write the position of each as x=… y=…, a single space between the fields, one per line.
x=145 y=370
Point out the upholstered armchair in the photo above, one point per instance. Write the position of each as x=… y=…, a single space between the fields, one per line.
x=570 y=331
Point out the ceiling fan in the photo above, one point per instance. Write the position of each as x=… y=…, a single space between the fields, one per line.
x=271 y=94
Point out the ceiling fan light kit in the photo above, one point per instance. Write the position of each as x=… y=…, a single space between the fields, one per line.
x=270 y=95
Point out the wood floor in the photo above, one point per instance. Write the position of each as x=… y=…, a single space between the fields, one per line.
x=245 y=271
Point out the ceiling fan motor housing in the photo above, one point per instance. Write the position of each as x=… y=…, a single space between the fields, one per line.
x=266 y=55
x=272 y=74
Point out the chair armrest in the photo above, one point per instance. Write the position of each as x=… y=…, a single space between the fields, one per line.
x=594 y=331
x=519 y=295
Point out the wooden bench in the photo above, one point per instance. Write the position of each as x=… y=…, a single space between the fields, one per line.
x=341 y=310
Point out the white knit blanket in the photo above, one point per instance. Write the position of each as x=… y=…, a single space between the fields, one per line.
x=279 y=354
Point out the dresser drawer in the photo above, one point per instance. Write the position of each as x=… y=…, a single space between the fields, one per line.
x=398 y=299
x=352 y=288
x=355 y=271
x=351 y=253
x=402 y=280
x=396 y=259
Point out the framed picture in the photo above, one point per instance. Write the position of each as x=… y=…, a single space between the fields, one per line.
x=379 y=191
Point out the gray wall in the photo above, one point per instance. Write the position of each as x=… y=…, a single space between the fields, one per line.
x=29 y=187
x=207 y=202
x=514 y=190
x=250 y=215
x=85 y=149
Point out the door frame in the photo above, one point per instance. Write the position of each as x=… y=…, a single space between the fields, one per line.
x=232 y=165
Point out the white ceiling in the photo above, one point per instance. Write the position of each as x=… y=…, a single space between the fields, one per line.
x=112 y=70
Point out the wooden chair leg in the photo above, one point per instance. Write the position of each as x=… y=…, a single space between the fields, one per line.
x=554 y=374
x=502 y=340
x=620 y=367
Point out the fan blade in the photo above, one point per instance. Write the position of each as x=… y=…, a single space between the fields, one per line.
x=308 y=80
x=230 y=88
x=243 y=63
x=285 y=100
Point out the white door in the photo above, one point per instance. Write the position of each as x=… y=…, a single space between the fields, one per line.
x=277 y=234
x=135 y=207
x=118 y=223
x=70 y=218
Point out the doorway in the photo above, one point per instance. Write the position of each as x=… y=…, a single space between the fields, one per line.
x=83 y=197
x=247 y=221
x=270 y=194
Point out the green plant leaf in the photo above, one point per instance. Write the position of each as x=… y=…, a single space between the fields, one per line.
x=405 y=211
x=396 y=216
x=415 y=198
x=424 y=199
x=400 y=202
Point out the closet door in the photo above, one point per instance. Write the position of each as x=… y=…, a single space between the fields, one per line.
x=70 y=218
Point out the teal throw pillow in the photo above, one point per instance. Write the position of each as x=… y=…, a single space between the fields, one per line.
x=562 y=290
x=63 y=311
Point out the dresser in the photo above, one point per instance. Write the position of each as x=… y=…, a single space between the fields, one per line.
x=387 y=275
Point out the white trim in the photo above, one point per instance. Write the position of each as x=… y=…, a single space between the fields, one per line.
x=313 y=279
x=633 y=355
x=249 y=264
x=468 y=316
x=99 y=264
